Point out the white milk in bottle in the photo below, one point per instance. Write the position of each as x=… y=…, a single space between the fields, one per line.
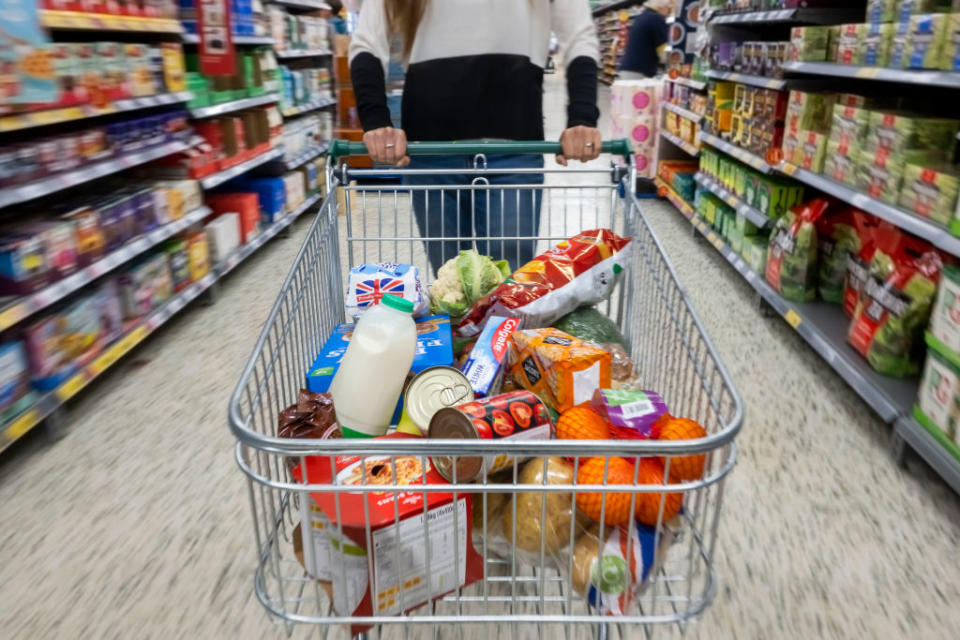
x=371 y=375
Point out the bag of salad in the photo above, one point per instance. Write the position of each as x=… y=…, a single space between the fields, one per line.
x=792 y=255
x=838 y=236
x=888 y=322
x=858 y=263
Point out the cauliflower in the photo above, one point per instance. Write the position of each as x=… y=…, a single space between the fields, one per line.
x=447 y=291
x=463 y=280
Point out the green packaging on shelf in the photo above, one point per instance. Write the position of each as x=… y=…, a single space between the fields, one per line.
x=839 y=167
x=850 y=44
x=808 y=44
x=834 y=43
x=898 y=52
x=881 y=10
x=931 y=191
x=839 y=236
x=734 y=236
x=950 y=56
x=752 y=188
x=939 y=393
x=880 y=175
x=808 y=111
x=775 y=196
x=792 y=252
x=926 y=40
x=754 y=252
x=914 y=139
x=848 y=129
x=810 y=151
x=740 y=174
x=945 y=317
x=877 y=44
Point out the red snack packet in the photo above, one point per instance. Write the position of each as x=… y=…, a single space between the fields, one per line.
x=581 y=271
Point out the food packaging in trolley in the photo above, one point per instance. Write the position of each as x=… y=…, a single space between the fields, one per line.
x=418 y=552
x=367 y=284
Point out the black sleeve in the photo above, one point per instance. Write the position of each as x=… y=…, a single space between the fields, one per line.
x=582 y=92
x=369 y=87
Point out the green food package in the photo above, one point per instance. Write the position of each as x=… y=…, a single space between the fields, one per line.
x=894 y=307
x=754 y=252
x=746 y=227
x=809 y=111
x=810 y=151
x=850 y=45
x=808 y=44
x=588 y=323
x=792 y=253
x=898 y=52
x=734 y=235
x=925 y=41
x=848 y=129
x=930 y=191
x=880 y=176
x=877 y=45
x=839 y=167
x=950 y=55
x=917 y=139
x=945 y=319
x=774 y=196
x=881 y=10
x=938 y=400
x=839 y=236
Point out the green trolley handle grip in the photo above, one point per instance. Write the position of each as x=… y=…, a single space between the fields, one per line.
x=341 y=148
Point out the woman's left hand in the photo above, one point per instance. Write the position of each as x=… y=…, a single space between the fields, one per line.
x=580 y=143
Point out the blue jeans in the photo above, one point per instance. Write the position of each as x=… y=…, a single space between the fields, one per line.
x=450 y=212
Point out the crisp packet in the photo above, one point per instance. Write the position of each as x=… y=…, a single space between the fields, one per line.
x=485 y=365
x=630 y=414
x=368 y=283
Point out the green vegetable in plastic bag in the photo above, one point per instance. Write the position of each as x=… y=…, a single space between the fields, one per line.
x=587 y=323
x=463 y=280
x=792 y=255
x=840 y=236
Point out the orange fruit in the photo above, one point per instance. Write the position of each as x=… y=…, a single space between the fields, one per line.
x=615 y=505
x=681 y=467
x=582 y=423
x=648 y=504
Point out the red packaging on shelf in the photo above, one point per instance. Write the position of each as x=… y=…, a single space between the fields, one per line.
x=413 y=525
x=245 y=204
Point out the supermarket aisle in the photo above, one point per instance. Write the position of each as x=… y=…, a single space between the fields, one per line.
x=137 y=524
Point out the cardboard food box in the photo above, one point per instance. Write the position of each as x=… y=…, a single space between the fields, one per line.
x=926 y=40
x=930 y=191
x=848 y=129
x=913 y=139
x=877 y=44
x=811 y=151
x=939 y=396
x=850 y=44
x=775 y=197
x=950 y=55
x=808 y=44
x=880 y=175
x=809 y=112
x=881 y=10
x=945 y=317
x=427 y=530
x=840 y=167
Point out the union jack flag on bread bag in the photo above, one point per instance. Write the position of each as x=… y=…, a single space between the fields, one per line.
x=368 y=283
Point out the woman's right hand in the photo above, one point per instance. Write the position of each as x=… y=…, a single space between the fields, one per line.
x=387 y=145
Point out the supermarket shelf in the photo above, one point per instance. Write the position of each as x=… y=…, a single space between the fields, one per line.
x=306 y=108
x=192 y=38
x=102 y=22
x=696 y=85
x=742 y=155
x=303 y=53
x=614 y=6
x=928 y=447
x=916 y=225
x=790 y=16
x=305 y=156
x=680 y=142
x=903 y=76
x=220 y=177
x=824 y=327
x=68 y=114
x=743 y=78
x=667 y=191
x=748 y=212
x=782 y=15
x=26 y=306
x=47 y=403
x=242 y=253
x=680 y=111
x=67 y=179
x=233 y=105
x=312 y=5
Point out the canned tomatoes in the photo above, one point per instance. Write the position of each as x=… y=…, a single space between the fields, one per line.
x=518 y=414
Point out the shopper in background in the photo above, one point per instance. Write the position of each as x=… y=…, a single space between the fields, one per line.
x=475 y=71
x=646 y=41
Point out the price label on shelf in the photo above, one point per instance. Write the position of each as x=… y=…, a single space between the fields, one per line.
x=792 y=318
x=22 y=424
x=868 y=72
x=71 y=387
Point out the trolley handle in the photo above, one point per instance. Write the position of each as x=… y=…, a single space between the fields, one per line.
x=341 y=148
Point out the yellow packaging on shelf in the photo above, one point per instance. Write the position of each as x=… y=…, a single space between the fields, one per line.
x=810 y=151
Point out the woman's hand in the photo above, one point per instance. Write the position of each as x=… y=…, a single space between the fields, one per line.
x=387 y=145
x=580 y=143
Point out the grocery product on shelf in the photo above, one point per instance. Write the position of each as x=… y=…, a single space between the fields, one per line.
x=634 y=115
x=931 y=191
x=14 y=376
x=945 y=317
x=243 y=17
x=840 y=236
x=792 y=256
x=378 y=357
x=297 y=32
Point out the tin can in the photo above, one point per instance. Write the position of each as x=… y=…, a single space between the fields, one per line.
x=516 y=415
x=429 y=391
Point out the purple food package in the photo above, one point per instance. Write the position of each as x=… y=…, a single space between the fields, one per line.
x=630 y=414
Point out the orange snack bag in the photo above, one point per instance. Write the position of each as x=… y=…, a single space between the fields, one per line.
x=564 y=371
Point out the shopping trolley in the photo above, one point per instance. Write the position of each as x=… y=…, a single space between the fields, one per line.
x=521 y=594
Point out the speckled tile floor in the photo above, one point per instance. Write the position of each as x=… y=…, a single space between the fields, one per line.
x=137 y=525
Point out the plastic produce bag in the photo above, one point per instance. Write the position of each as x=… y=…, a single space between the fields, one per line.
x=581 y=271
x=838 y=237
x=589 y=323
x=463 y=280
x=792 y=260
x=858 y=264
x=888 y=322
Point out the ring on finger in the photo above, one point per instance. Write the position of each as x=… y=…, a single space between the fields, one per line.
x=389 y=145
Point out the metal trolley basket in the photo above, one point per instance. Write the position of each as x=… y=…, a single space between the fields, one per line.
x=520 y=594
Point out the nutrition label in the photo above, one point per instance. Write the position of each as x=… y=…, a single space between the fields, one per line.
x=401 y=552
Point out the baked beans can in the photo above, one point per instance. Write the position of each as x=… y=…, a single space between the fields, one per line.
x=429 y=391
x=517 y=415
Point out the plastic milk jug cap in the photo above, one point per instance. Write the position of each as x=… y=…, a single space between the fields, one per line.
x=398 y=303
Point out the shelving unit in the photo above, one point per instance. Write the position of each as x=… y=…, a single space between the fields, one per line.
x=233 y=105
x=78 y=21
x=321 y=103
x=684 y=113
x=192 y=38
x=307 y=5
x=688 y=148
x=742 y=155
x=880 y=74
x=32 y=119
x=808 y=15
x=750 y=213
x=696 y=85
x=303 y=53
x=305 y=156
x=743 y=78
x=218 y=178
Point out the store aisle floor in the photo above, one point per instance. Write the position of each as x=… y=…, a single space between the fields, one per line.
x=137 y=524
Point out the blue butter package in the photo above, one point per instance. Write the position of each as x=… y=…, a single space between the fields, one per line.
x=434 y=348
